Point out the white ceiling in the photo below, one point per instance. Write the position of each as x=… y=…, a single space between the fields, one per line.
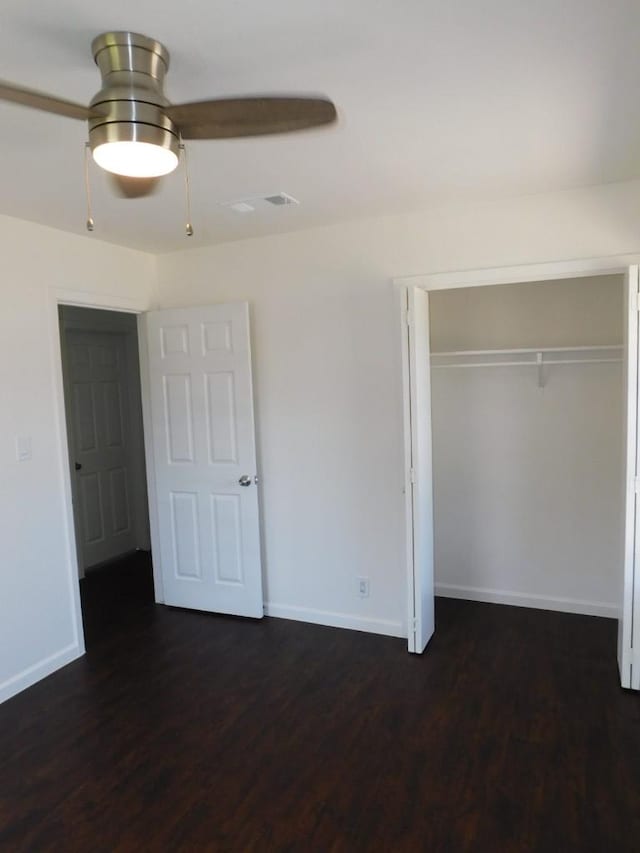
x=438 y=100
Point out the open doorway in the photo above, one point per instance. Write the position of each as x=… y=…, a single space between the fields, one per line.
x=529 y=388
x=103 y=409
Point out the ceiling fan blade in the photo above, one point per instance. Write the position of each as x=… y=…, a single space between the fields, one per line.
x=226 y=118
x=127 y=187
x=39 y=101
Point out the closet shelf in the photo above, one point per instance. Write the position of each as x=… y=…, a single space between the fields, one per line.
x=539 y=357
x=508 y=357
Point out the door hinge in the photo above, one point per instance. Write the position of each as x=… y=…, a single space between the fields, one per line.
x=412 y=476
x=408 y=317
x=636 y=484
x=414 y=623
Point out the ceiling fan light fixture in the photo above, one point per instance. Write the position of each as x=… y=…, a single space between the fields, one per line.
x=134 y=130
x=134 y=149
x=135 y=159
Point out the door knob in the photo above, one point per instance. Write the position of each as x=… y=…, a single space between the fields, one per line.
x=245 y=480
x=78 y=466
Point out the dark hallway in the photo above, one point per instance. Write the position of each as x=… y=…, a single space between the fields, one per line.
x=115 y=596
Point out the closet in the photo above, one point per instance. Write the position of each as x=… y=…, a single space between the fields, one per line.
x=527 y=407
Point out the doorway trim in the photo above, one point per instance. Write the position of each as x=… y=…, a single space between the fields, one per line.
x=105 y=302
x=488 y=276
x=482 y=277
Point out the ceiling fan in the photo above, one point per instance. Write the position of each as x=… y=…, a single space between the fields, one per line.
x=136 y=134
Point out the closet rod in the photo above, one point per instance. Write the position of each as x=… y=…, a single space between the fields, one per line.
x=539 y=357
x=529 y=363
x=532 y=350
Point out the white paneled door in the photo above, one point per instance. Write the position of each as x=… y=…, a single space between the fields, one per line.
x=419 y=481
x=97 y=413
x=205 y=458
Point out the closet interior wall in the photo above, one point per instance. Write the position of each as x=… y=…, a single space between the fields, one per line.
x=528 y=476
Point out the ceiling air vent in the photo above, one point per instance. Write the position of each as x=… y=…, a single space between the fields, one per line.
x=255 y=203
x=280 y=199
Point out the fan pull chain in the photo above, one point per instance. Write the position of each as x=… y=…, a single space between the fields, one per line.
x=87 y=186
x=187 y=191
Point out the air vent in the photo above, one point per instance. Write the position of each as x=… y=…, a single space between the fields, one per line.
x=280 y=199
x=255 y=203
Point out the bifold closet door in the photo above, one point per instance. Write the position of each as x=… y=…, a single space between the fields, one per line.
x=629 y=623
x=419 y=482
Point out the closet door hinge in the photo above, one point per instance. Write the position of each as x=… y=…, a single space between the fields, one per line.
x=408 y=317
x=636 y=484
x=412 y=476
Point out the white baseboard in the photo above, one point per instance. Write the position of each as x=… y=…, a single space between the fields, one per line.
x=39 y=670
x=517 y=599
x=335 y=620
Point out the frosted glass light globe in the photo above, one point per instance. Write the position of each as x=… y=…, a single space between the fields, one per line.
x=135 y=159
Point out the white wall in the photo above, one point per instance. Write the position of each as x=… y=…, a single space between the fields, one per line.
x=528 y=481
x=37 y=630
x=528 y=486
x=570 y=312
x=327 y=373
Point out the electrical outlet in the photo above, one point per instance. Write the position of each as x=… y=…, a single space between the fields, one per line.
x=363 y=587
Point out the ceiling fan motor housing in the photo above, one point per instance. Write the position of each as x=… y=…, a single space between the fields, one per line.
x=130 y=105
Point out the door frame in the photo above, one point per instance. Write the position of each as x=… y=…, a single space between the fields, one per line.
x=483 y=277
x=104 y=302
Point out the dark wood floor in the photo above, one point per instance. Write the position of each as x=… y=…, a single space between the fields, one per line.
x=116 y=595
x=185 y=731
